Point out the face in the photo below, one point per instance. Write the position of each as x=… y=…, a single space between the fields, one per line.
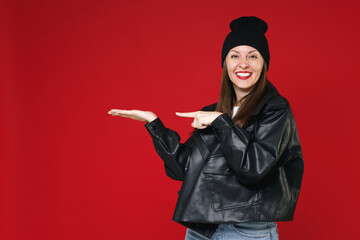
x=244 y=65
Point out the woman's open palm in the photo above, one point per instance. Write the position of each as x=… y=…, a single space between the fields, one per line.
x=144 y=116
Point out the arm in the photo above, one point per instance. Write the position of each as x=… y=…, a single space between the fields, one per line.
x=252 y=156
x=166 y=141
x=167 y=144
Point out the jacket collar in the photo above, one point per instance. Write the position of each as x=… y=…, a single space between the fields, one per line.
x=271 y=91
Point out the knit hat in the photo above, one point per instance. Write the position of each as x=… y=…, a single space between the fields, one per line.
x=247 y=31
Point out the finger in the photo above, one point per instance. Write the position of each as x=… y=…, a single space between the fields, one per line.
x=187 y=114
x=128 y=115
x=198 y=124
x=120 y=112
x=203 y=126
x=113 y=111
x=124 y=111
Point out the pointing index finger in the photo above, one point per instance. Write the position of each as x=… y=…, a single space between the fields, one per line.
x=187 y=114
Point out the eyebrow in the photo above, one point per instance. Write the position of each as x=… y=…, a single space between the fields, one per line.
x=248 y=52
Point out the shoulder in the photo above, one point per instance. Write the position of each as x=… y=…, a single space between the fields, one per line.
x=277 y=102
x=210 y=107
x=274 y=100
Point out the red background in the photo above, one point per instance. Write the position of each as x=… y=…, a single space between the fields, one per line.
x=68 y=170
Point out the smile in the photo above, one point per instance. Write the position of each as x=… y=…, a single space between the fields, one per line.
x=243 y=75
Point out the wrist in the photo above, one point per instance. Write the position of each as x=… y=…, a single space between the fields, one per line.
x=151 y=118
x=216 y=116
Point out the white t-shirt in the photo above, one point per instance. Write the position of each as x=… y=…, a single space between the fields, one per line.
x=235 y=110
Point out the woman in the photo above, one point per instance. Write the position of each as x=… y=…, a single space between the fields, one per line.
x=242 y=167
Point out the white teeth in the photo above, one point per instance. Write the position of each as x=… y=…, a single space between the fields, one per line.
x=243 y=74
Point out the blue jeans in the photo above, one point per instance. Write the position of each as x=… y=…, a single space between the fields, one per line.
x=241 y=231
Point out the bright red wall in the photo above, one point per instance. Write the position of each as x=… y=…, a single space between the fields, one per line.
x=68 y=170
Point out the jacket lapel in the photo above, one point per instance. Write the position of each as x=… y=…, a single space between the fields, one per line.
x=271 y=91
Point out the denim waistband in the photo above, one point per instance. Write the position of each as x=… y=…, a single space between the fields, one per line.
x=256 y=225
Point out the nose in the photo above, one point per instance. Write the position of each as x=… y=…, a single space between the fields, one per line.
x=243 y=63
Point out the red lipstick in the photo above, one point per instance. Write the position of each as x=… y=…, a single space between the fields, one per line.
x=243 y=75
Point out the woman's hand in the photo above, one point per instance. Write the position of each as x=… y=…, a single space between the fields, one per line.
x=144 y=116
x=202 y=119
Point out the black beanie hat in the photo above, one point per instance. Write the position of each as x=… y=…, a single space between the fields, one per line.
x=247 y=31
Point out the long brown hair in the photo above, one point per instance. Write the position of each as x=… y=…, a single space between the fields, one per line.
x=227 y=97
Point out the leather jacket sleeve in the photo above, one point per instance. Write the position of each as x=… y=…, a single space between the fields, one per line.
x=167 y=144
x=251 y=156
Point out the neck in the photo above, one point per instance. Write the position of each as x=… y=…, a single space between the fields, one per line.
x=240 y=94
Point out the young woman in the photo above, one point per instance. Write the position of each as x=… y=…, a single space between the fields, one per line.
x=242 y=167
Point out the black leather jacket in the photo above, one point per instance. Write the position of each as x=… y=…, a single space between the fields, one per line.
x=232 y=174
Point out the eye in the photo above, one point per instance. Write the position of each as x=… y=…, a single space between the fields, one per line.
x=253 y=57
x=234 y=56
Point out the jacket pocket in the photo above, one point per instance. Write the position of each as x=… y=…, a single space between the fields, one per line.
x=225 y=190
